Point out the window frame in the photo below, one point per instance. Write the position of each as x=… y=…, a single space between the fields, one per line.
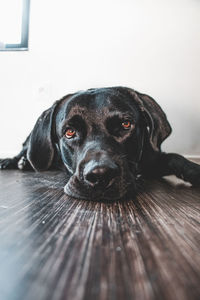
x=23 y=45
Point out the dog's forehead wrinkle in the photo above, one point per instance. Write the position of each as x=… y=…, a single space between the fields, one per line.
x=96 y=116
x=74 y=110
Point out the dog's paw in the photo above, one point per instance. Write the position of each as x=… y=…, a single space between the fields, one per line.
x=193 y=175
x=23 y=164
x=196 y=181
x=8 y=163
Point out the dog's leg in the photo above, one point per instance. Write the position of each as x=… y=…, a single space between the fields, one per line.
x=164 y=164
x=20 y=161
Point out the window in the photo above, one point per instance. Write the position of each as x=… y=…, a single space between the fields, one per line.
x=14 y=24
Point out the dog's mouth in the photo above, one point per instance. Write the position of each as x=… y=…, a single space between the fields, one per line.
x=115 y=190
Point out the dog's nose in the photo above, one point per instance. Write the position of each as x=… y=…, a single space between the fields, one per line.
x=100 y=175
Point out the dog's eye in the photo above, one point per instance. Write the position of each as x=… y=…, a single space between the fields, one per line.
x=126 y=125
x=70 y=133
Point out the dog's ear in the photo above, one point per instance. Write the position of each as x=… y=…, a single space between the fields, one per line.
x=157 y=125
x=40 y=149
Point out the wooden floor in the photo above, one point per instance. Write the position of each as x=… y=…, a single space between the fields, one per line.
x=53 y=247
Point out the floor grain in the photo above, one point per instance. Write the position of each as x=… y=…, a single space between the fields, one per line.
x=53 y=247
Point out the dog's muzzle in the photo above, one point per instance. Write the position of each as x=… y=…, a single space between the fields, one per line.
x=102 y=179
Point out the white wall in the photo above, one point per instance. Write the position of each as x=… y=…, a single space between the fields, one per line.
x=150 y=45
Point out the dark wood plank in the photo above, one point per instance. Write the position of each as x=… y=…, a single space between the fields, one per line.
x=54 y=247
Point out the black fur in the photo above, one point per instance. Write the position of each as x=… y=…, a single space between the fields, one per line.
x=103 y=158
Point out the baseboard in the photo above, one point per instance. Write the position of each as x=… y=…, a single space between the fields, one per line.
x=191 y=156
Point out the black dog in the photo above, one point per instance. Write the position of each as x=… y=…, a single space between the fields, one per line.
x=105 y=138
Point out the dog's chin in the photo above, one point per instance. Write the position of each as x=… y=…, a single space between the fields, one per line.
x=112 y=194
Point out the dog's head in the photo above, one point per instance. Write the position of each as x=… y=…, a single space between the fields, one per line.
x=100 y=135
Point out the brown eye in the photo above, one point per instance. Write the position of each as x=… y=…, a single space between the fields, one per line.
x=70 y=133
x=126 y=124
